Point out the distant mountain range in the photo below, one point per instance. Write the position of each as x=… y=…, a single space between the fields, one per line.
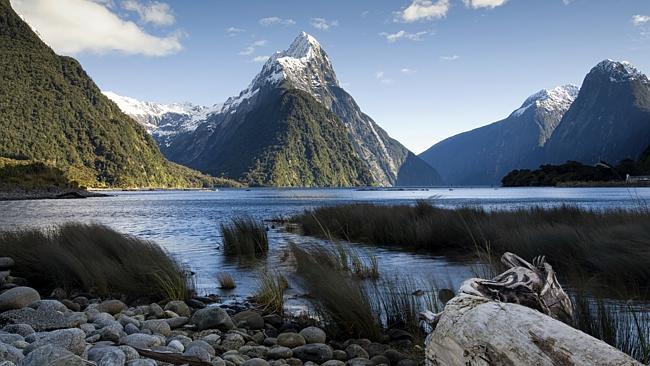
x=52 y=112
x=293 y=126
x=607 y=119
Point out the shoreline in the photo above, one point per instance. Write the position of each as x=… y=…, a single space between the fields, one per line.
x=42 y=194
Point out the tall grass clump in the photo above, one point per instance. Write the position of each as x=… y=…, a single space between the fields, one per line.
x=96 y=259
x=352 y=306
x=270 y=292
x=244 y=237
x=611 y=245
x=619 y=324
x=226 y=282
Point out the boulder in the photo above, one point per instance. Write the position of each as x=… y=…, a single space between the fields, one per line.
x=43 y=319
x=291 y=340
x=72 y=340
x=179 y=307
x=18 y=298
x=107 y=356
x=315 y=352
x=279 y=352
x=232 y=341
x=22 y=329
x=10 y=353
x=313 y=335
x=255 y=362
x=249 y=319
x=157 y=326
x=111 y=306
x=212 y=317
x=473 y=330
x=139 y=340
x=50 y=355
x=356 y=351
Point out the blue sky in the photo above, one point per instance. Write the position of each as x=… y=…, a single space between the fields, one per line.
x=424 y=70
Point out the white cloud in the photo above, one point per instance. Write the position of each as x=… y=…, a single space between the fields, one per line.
x=233 y=31
x=394 y=37
x=270 y=21
x=640 y=19
x=423 y=10
x=476 y=4
x=153 y=12
x=407 y=71
x=250 y=49
x=449 y=58
x=381 y=76
x=260 y=59
x=323 y=24
x=74 y=26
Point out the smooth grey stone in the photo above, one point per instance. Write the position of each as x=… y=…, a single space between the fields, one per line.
x=50 y=355
x=177 y=322
x=279 y=352
x=139 y=340
x=356 y=351
x=232 y=341
x=359 y=361
x=49 y=305
x=157 y=326
x=41 y=320
x=249 y=319
x=73 y=340
x=142 y=362
x=10 y=353
x=177 y=345
x=254 y=351
x=111 y=307
x=212 y=317
x=9 y=338
x=291 y=340
x=22 y=329
x=333 y=363
x=255 y=362
x=314 y=352
x=18 y=298
x=131 y=329
x=313 y=335
x=107 y=356
x=129 y=352
x=179 y=307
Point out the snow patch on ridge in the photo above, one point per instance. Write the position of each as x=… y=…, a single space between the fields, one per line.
x=556 y=99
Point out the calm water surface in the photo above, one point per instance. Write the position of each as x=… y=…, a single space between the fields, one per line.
x=187 y=223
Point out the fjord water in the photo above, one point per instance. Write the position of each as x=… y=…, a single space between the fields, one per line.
x=186 y=223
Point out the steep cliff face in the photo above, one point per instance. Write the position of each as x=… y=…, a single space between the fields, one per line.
x=484 y=155
x=609 y=120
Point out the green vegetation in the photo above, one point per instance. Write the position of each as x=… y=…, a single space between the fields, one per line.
x=226 y=282
x=27 y=174
x=53 y=113
x=612 y=245
x=620 y=325
x=96 y=259
x=244 y=237
x=575 y=173
x=349 y=306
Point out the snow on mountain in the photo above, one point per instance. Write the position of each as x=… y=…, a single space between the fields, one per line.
x=619 y=71
x=559 y=98
x=164 y=119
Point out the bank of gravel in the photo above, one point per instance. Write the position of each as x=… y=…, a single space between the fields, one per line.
x=81 y=329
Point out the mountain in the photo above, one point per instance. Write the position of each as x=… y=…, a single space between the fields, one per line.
x=609 y=120
x=254 y=138
x=54 y=113
x=484 y=155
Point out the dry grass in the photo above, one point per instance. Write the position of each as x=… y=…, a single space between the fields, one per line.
x=244 y=237
x=226 y=282
x=270 y=292
x=96 y=259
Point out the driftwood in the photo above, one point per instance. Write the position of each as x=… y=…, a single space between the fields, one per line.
x=514 y=319
x=173 y=358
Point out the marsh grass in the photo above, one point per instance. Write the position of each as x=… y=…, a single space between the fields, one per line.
x=244 y=237
x=613 y=246
x=350 y=305
x=95 y=259
x=226 y=282
x=270 y=292
x=621 y=325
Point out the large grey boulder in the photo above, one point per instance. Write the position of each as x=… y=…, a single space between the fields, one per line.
x=18 y=298
x=157 y=326
x=73 y=340
x=313 y=335
x=107 y=356
x=179 y=307
x=212 y=317
x=249 y=319
x=10 y=353
x=139 y=340
x=43 y=319
x=50 y=355
x=315 y=352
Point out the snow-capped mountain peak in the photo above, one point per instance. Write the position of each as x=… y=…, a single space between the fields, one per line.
x=304 y=46
x=619 y=71
x=549 y=100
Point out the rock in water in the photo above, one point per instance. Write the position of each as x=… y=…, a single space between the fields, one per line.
x=476 y=331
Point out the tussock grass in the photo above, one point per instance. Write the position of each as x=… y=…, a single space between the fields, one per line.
x=270 y=292
x=226 y=282
x=244 y=237
x=618 y=324
x=351 y=306
x=612 y=245
x=96 y=259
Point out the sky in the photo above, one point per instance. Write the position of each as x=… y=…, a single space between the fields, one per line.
x=424 y=70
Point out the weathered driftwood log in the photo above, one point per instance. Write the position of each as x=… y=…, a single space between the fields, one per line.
x=512 y=320
x=477 y=331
